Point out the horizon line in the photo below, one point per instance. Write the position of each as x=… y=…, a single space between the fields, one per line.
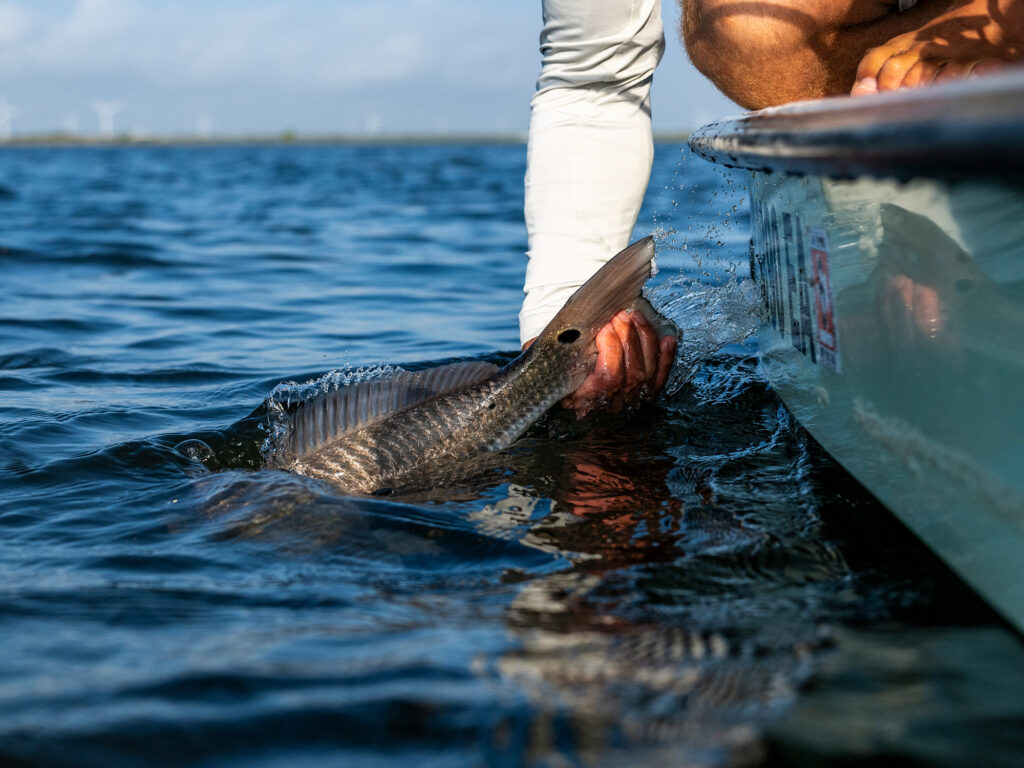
x=62 y=138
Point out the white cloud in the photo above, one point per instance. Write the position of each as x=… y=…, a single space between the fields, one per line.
x=14 y=23
x=305 y=45
x=268 y=64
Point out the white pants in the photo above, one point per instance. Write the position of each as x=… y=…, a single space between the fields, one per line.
x=590 y=146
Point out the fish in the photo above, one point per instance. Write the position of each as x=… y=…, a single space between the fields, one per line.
x=376 y=436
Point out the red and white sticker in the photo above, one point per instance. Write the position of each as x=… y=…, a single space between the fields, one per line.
x=828 y=341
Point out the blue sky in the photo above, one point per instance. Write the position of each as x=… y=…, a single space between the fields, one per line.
x=312 y=66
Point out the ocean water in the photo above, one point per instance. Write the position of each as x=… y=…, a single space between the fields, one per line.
x=691 y=583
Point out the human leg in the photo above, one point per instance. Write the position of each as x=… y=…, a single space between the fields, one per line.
x=766 y=52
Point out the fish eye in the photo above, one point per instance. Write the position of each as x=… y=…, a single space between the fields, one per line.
x=568 y=336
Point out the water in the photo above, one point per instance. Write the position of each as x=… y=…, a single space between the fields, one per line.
x=693 y=583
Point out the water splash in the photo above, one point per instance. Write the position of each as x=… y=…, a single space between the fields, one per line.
x=709 y=318
x=283 y=399
x=709 y=294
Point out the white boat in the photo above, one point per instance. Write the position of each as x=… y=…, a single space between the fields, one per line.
x=888 y=240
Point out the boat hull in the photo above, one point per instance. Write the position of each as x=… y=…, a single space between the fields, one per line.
x=894 y=333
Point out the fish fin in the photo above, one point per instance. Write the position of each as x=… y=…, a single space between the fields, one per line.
x=613 y=287
x=663 y=326
x=329 y=416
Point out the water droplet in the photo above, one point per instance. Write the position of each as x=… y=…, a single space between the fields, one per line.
x=198 y=451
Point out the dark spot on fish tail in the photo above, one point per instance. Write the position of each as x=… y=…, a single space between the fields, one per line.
x=568 y=336
x=383 y=492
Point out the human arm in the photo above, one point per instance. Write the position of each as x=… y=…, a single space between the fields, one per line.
x=588 y=164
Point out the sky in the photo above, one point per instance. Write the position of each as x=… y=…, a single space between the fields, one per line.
x=165 y=67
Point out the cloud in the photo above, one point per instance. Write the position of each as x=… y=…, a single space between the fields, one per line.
x=14 y=23
x=318 y=65
x=305 y=45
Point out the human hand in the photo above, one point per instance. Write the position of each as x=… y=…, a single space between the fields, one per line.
x=975 y=37
x=632 y=364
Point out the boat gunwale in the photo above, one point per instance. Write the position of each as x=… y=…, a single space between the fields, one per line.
x=957 y=130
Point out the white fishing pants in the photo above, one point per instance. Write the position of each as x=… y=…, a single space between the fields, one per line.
x=590 y=145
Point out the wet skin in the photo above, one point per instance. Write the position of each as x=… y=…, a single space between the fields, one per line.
x=633 y=365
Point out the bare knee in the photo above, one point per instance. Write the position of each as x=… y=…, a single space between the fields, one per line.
x=765 y=52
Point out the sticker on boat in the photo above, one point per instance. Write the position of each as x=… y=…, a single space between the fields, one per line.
x=791 y=262
x=828 y=344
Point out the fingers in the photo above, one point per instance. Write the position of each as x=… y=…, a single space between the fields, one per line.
x=908 y=70
x=989 y=66
x=954 y=70
x=607 y=377
x=667 y=349
x=895 y=68
x=658 y=356
x=921 y=73
x=632 y=363
x=899 y=309
x=866 y=79
x=890 y=67
x=864 y=87
x=910 y=306
x=927 y=311
x=905 y=62
x=648 y=342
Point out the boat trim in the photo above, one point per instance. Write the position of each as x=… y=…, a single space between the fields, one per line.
x=962 y=129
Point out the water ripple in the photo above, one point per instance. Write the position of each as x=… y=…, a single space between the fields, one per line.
x=663 y=586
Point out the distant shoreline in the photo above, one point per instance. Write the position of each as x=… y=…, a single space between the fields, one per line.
x=281 y=139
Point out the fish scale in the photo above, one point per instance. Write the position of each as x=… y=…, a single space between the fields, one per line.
x=384 y=434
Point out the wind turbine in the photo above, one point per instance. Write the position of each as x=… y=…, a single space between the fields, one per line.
x=105 y=113
x=372 y=122
x=204 y=125
x=70 y=123
x=7 y=115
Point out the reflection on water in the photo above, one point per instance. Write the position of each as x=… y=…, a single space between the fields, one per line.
x=647 y=612
x=692 y=583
